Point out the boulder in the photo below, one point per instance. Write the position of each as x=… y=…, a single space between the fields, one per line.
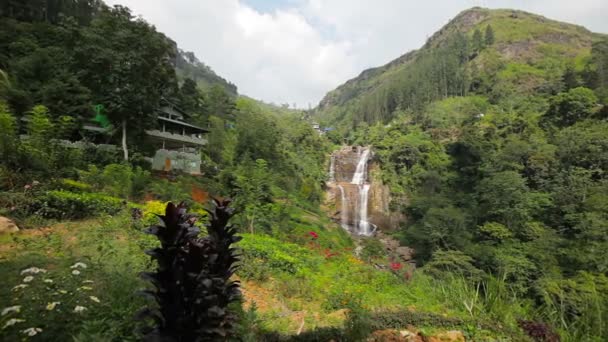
x=449 y=336
x=7 y=225
x=405 y=253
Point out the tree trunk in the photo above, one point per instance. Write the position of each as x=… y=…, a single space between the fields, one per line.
x=124 y=140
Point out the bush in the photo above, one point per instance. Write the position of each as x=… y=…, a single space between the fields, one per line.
x=70 y=205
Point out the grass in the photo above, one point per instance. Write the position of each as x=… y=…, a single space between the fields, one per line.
x=309 y=284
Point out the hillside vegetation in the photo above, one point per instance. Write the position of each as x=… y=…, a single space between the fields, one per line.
x=526 y=54
x=492 y=138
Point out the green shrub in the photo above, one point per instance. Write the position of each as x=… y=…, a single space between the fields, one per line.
x=263 y=254
x=372 y=249
x=70 y=205
x=73 y=185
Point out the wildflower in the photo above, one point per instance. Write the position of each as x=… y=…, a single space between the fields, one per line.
x=79 y=264
x=20 y=286
x=75 y=272
x=79 y=309
x=34 y=183
x=10 y=309
x=28 y=279
x=51 y=306
x=31 y=331
x=313 y=235
x=87 y=281
x=95 y=299
x=396 y=266
x=48 y=281
x=12 y=322
x=85 y=288
x=63 y=291
x=27 y=187
x=33 y=270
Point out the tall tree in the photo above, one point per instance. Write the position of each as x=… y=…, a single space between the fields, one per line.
x=489 y=38
x=478 y=42
x=130 y=69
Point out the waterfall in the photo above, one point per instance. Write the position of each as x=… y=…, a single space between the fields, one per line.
x=360 y=172
x=354 y=194
x=344 y=210
x=332 y=169
x=359 y=178
x=363 y=225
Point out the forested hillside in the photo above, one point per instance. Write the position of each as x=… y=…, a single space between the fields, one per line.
x=493 y=139
x=503 y=54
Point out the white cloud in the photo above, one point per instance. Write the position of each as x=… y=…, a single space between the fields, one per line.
x=307 y=47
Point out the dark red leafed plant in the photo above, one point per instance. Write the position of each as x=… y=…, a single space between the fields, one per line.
x=539 y=331
x=192 y=281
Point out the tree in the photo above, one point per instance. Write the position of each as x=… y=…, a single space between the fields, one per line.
x=191 y=99
x=567 y=108
x=489 y=37
x=221 y=104
x=129 y=73
x=570 y=77
x=478 y=42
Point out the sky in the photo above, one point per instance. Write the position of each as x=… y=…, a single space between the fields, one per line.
x=295 y=51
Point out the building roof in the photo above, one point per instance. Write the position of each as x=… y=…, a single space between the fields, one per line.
x=181 y=123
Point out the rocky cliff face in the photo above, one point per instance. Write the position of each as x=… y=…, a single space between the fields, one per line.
x=345 y=196
x=379 y=202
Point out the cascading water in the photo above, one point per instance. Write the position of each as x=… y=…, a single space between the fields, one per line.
x=332 y=170
x=361 y=171
x=354 y=190
x=363 y=227
x=344 y=210
x=359 y=178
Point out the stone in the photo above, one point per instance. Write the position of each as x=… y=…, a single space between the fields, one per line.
x=387 y=335
x=449 y=336
x=405 y=253
x=7 y=225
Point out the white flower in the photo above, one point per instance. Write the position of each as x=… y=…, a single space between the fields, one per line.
x=63 y=291
x=33 y=270
x=79 y=309
x=48 y=281
x=51 y=306
x=6 y=311
x=20 y=286
x=95 y=299
x=87 y=281
x=84 y=288
x=75 y=272
x=79 y=264
x=31 y=331
x=12 y=322
x=28 y=279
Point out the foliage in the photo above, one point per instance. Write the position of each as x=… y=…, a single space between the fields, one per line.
x=61 y=204
x=567 y=108
x=192 y=281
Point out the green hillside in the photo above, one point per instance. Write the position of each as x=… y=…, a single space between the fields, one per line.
x=528 y=53
x=492 y=138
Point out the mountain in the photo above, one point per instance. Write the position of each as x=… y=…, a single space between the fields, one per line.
x=188 y=66
x=524 y=52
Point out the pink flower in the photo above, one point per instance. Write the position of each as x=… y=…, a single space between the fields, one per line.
x=396 y=266
x=314 y=235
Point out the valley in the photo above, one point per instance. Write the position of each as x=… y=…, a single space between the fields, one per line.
x=456 y=193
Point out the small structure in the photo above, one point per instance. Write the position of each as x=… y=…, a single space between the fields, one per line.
x=180 y=142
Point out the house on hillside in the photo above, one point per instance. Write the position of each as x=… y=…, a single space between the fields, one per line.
x=179 y=143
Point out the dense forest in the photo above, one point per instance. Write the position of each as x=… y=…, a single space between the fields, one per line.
x=497 y=155
x=492 y=139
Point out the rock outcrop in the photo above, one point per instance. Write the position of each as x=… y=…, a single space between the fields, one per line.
x=7 y=225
